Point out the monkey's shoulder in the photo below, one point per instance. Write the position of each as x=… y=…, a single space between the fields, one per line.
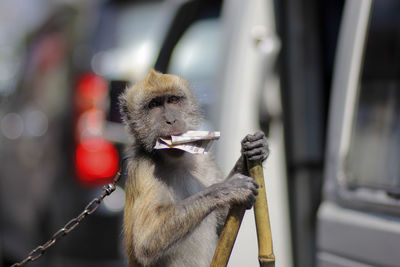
x=140 y=176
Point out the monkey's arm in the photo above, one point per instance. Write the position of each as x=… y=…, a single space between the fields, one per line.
x=240 y=167
x=154 y=221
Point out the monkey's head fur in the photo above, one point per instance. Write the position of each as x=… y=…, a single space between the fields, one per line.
x=160 y=105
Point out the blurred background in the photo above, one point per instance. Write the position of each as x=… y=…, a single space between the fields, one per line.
x=320 y=78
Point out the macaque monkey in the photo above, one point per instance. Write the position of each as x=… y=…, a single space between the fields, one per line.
x=176 y=201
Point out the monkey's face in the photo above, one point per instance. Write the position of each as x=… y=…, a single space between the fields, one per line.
x=159 y=106
x=166 y=113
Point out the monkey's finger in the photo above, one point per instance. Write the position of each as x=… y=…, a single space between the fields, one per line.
x=250 y=202
x=255 y=191
x=257 y=158
x=253 y=188
x=255 y=183
x=255 y=152
x=258 y=135
x=253 y=137
x=247 y=138
x=255 y=144
x=259 y=155
x=252 y=183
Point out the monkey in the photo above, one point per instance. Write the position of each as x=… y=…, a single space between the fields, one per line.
x=176 y=202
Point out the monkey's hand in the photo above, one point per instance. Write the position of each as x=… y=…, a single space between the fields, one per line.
x=255 y=147
x=240 y=189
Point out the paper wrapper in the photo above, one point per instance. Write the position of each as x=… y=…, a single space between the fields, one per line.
x=195 y=142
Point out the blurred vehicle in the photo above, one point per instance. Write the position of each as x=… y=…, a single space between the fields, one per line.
x=61 y=136
x=359 y=219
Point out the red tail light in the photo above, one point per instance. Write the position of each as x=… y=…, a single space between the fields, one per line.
x=96 y=159
x=91 y=92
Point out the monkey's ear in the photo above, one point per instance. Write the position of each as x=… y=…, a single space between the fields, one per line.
x=153 y=74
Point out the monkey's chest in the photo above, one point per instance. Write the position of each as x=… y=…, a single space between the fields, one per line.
x=183 y=185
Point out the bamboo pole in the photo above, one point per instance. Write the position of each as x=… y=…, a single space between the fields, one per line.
x=266 y=255
x=234 y=220
x=228 y=237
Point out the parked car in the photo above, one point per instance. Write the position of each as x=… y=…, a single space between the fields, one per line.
x=358 y=220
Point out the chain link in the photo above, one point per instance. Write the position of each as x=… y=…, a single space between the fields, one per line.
x=89 y=209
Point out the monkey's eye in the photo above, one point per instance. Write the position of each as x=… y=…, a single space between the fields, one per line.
x=155 y=103
x=174 y=99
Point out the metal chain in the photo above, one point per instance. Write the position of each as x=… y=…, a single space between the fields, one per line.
x=89 y=209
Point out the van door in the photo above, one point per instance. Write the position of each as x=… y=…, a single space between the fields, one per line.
x=359 y=218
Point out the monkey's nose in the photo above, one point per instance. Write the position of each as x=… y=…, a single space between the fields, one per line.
x=170 y=121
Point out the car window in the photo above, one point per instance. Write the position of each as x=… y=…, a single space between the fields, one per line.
x=138 y=30
x=196 y=57
x=374 y=152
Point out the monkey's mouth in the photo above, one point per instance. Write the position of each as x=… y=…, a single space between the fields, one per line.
x=168 y=134
x=195 y=142
x=175 y=153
